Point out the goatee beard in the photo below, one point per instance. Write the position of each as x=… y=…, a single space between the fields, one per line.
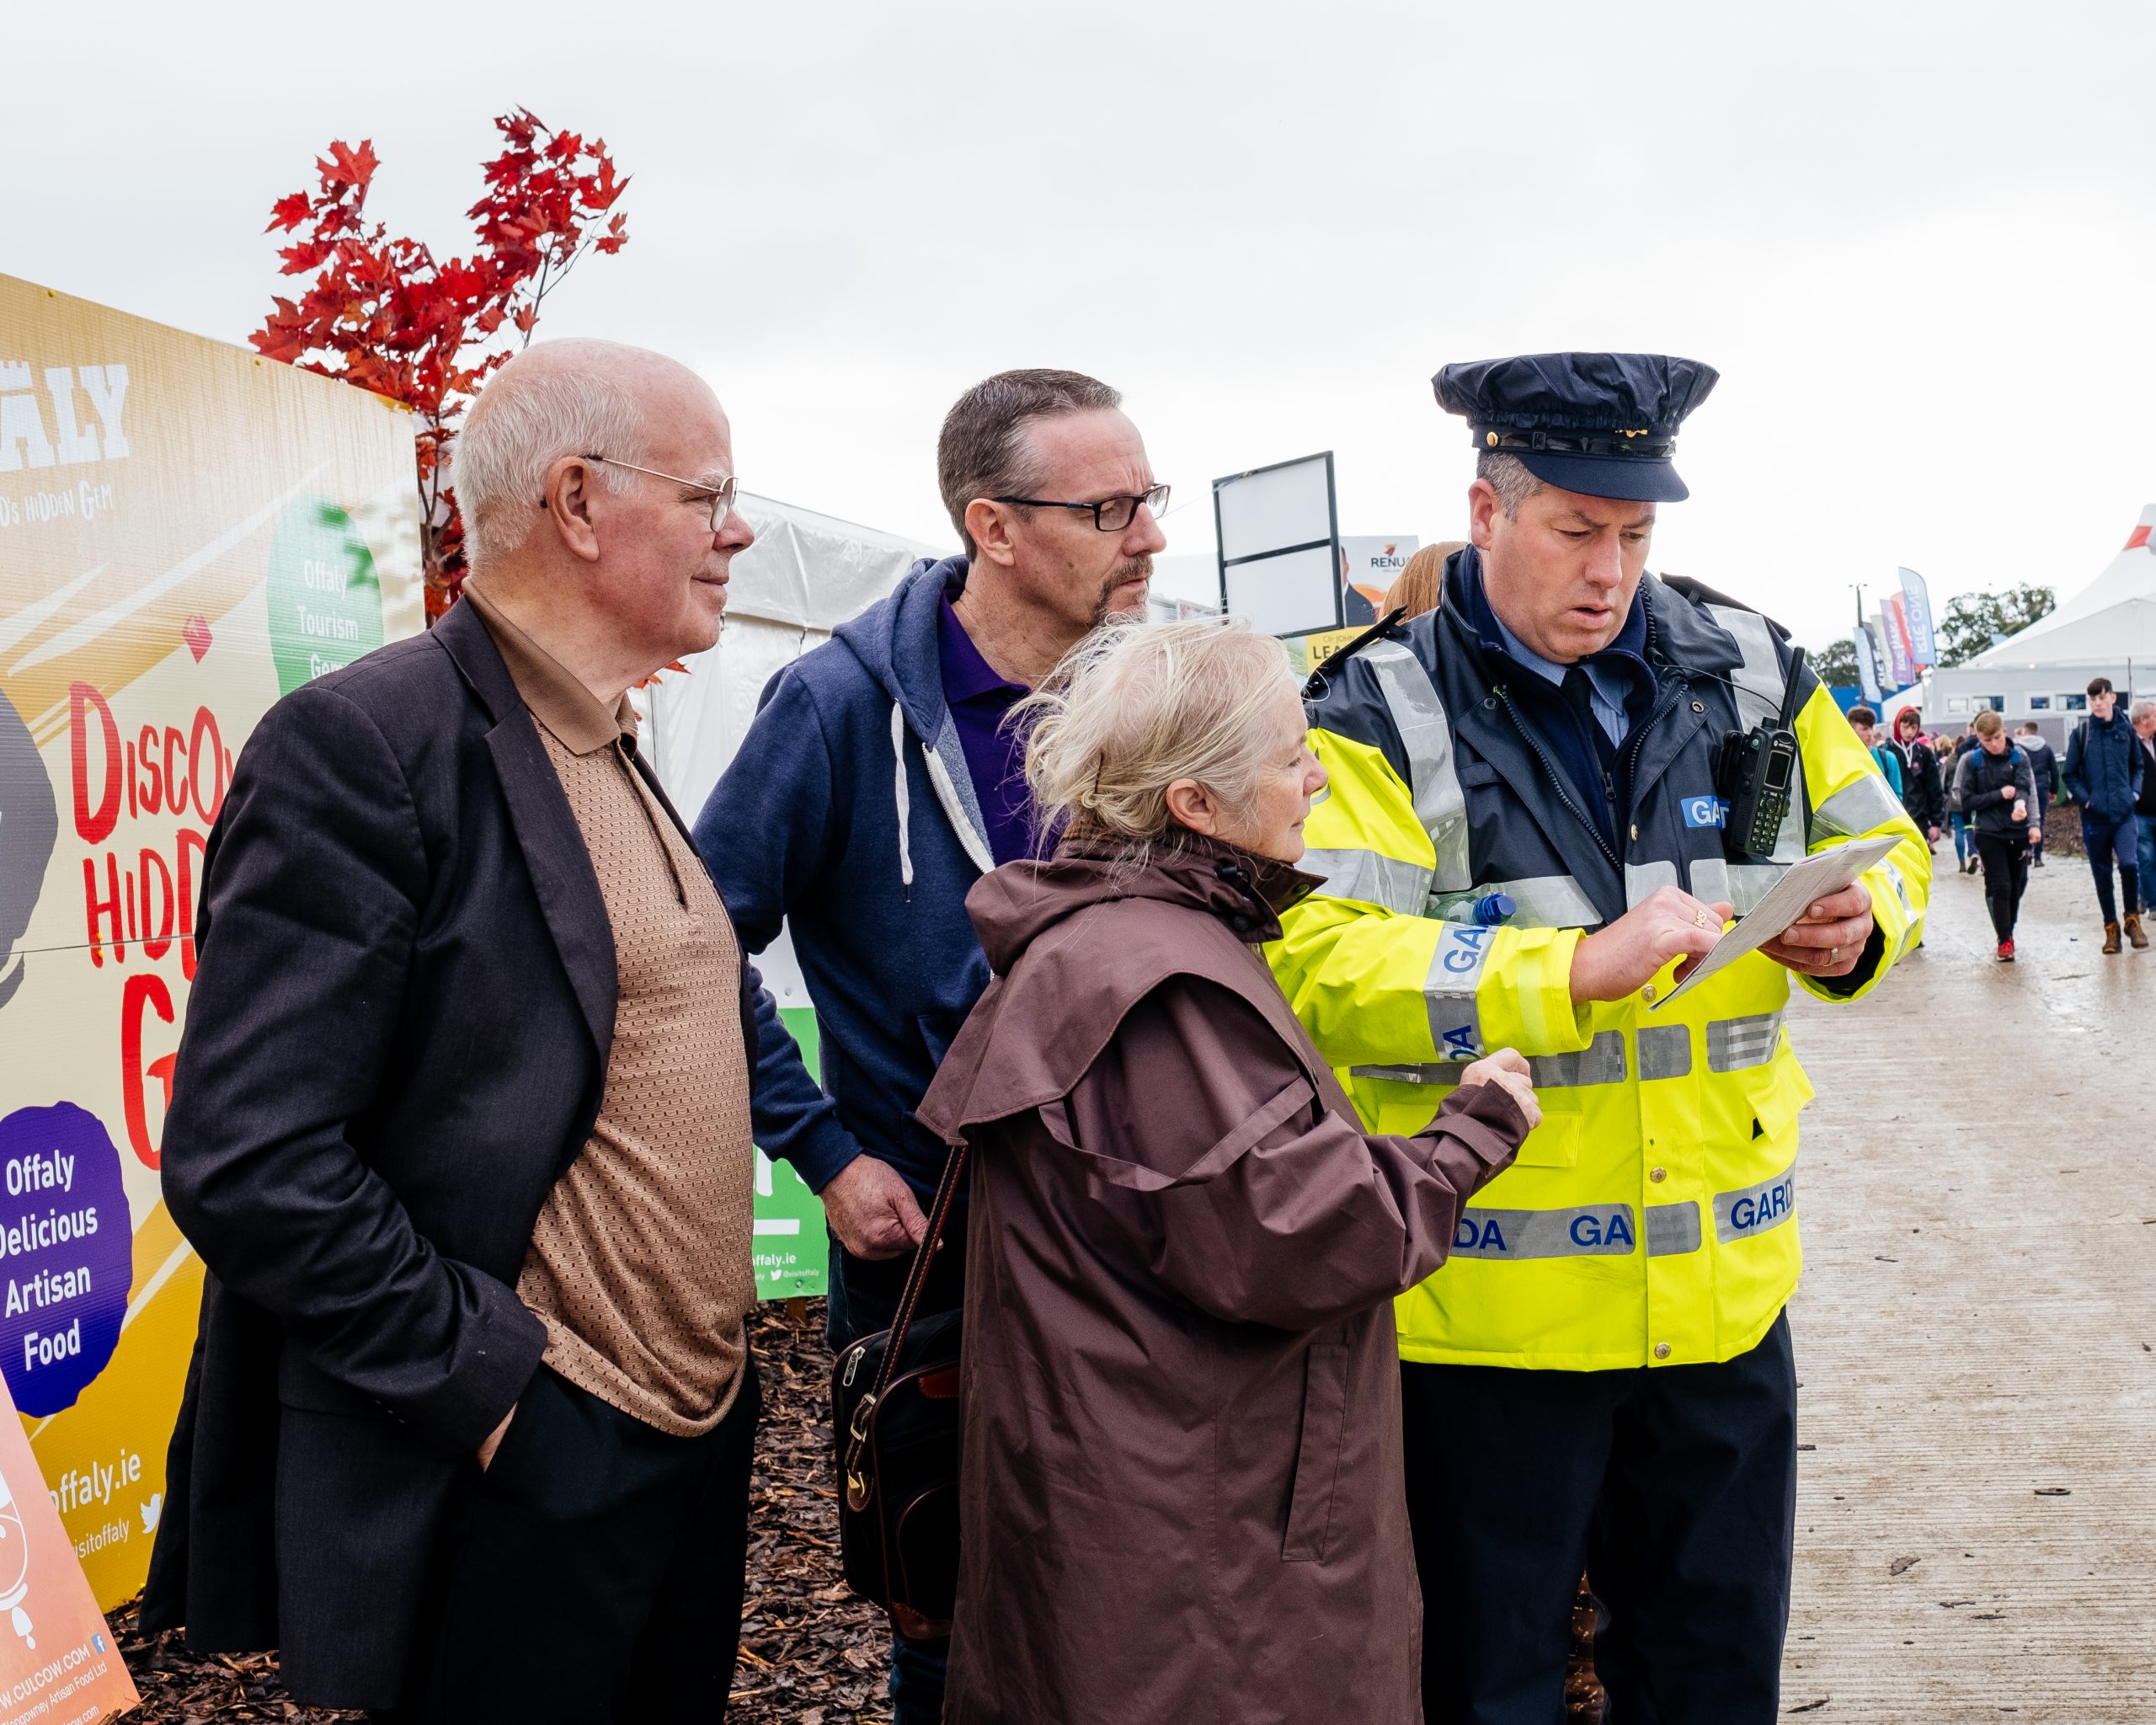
x=1137 y=569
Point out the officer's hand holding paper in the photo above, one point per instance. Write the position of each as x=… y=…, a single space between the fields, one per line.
x=1823 y=895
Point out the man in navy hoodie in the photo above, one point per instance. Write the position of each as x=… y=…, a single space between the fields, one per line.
x=2103 y=770
x=877 y=784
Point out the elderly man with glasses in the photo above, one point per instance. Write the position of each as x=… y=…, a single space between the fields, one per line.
x=878 y=783
x=460 y=1123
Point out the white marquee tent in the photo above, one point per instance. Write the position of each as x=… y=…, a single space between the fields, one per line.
x=2108 y=628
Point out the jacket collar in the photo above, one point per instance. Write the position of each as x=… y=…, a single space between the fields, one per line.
x=546 y=832
x=1022 y=901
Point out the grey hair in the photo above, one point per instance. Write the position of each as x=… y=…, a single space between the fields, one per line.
x=2140 y=710
x=520 y=426
x=983 y=450
x=1506 y=474
x=1135 y=707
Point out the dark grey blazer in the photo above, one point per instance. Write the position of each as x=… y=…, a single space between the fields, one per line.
x=396 y=1044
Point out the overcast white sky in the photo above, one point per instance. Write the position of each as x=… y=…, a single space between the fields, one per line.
x=1917 y=239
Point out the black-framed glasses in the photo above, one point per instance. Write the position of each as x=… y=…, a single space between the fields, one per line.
x=1111 y=515
x=722 y=495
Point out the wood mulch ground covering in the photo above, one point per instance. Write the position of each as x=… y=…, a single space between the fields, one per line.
x=810 y=1654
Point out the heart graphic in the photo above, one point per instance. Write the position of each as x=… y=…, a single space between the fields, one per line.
x=195 y=632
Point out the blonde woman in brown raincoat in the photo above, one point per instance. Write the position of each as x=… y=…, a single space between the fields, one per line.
x=1181 y=1489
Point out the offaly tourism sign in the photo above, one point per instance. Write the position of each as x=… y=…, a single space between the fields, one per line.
x=187 y=533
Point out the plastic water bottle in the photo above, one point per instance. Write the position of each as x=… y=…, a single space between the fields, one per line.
x=1481 y=910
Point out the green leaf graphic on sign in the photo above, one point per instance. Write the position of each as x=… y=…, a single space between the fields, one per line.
x=325 y=600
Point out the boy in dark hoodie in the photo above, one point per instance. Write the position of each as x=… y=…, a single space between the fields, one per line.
x=2103 y=770
x=878 y=784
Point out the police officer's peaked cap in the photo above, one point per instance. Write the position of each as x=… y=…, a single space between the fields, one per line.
x=1602 y=425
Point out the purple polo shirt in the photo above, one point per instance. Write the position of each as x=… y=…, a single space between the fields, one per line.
x=978 y=700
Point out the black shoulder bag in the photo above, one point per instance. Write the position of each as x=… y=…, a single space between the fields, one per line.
x=895 y=1429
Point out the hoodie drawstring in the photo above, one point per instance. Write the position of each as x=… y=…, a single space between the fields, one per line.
x=905 y=799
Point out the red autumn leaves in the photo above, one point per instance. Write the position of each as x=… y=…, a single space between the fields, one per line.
x=386 y=314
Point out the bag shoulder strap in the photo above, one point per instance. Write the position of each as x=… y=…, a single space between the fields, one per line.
x=947 y=1191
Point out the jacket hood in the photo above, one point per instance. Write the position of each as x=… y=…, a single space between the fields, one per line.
x=1020 y=902
x=894 y=639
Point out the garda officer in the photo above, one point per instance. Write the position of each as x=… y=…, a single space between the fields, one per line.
x=1524 y=837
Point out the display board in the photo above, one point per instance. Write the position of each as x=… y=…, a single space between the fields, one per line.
x=1278 y=532
x=187 y=532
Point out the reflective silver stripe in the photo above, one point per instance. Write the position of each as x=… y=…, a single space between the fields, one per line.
x=1734 y=1044
x=1433 y=776
x=1755 y=1209
x=1710 y=880
x=1594 y=1231
x=1546 y=901
x=1751 y=882
x=1858 y=807
x=1665 y=1051
x=1758 y=683
x=1641 y=878
x=1602 y=1061
x=1758 y=686
x=1371 y=876
x=1673 y=1230
x=1449 y=990
x=1899 y=882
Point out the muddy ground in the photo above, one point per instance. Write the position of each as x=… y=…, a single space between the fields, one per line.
x=810 y=1655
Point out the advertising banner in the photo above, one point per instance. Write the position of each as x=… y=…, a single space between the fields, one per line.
x=187 y=533
x=1894 y=630
x=58 y=1664
x=1916 y=599
x=1866 y=643
x=1368 y=566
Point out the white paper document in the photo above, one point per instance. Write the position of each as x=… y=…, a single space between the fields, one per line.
x=1818 y=875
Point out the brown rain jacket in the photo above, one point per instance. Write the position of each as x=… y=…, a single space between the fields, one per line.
x=1181 y=1495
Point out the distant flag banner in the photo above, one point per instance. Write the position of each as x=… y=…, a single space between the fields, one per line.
x=1916 y=601
x=1893 y=624
x=1867 y=665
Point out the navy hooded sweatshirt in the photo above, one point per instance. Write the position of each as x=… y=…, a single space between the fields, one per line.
x=850 y=813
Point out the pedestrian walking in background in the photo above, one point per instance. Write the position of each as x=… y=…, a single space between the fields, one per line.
x=1421 y=585
x=1182 y=1490
x=1923 y=791
x=1999 y=791
x=2043 y=763
x=2104 y=771
x=2143 y=718
x=1865 y=723
x=1949 y=758
x=1965 y=842
x=460 y=1123
x=878 y=782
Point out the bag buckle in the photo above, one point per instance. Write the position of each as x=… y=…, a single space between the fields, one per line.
x=858 y=1425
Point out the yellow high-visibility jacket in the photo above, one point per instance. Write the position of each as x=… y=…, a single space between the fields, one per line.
x=1652 y=1218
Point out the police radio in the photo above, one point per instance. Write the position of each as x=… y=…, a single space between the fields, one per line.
x=1755 y=774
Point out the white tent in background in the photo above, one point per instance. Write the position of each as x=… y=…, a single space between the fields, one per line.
x=2109 y=627
x=805 y=575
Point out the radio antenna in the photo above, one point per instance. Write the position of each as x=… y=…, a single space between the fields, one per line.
x=1789 y=694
